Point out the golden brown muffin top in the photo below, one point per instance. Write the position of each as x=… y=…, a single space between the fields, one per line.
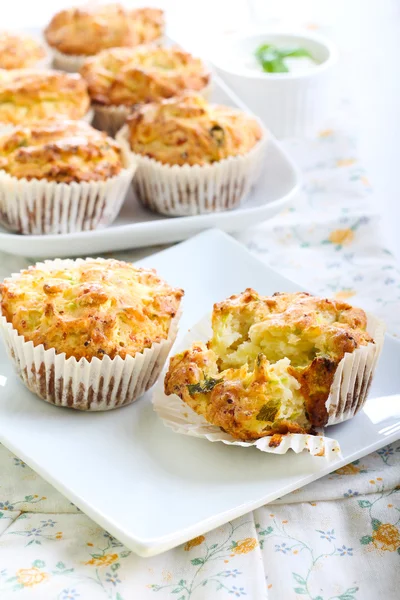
x=62 y=151
x=90 y=308
x=188 y=130
x=270 y=363
x=30 y=95
x=130 y=76
x=88 y=31
x=18 y=51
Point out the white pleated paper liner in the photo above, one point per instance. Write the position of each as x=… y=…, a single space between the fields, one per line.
x=177 y=415
x=98 y=385
x=353 y=376
x=43 y=63
x=71 y=63
x=111 y=118
x=188 y=190
x=38 y=207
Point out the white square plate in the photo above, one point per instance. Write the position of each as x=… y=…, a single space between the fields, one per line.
x=136 y=227
x=169 y=488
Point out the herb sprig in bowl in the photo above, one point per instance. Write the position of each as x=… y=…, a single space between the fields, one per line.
x=272 y=58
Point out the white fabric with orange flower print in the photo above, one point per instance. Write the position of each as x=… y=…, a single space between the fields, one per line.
x=342 y=548
x=336 y=539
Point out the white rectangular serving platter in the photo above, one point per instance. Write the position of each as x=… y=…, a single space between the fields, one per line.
x=154 y=489
x=137 y=227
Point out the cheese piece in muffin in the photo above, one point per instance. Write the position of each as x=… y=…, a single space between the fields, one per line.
x=30 y=95
x=87 y=31
x=18 y=51
x=90 y=308
x=269 y=366
x=62 y=151
x=128 y=76
x=188 y=131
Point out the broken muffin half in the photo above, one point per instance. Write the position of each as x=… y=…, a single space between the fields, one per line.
x=270 y=363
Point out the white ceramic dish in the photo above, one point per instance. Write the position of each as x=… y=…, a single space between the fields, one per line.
x=168 y=487
x=136 y=227
x=290 y=104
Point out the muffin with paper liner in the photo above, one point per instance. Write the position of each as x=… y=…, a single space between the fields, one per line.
x=76 y=33
x=193 y=157
x=273 y=369
x=120 y=78
x=61 y=176
x=20 y=51
x=32 y=95
x=88 y=334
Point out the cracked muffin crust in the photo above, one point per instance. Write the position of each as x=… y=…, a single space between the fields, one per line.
x=87 y=31
x=270 y=364
x=91 y=308
x=62 y=151
x=128 y=76
x=32 y=95
x=188 y=131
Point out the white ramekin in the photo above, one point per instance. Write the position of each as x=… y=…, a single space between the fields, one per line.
x=290 y=104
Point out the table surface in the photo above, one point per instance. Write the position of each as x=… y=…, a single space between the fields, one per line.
x=336 y=539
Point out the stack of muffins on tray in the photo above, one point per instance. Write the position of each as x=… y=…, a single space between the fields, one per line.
x=183 y=155
x=94 y=334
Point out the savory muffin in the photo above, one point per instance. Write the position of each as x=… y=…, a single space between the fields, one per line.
x=61 y=176
x=130 y=76
x=62 y=151
x=74 y=34
x=189 y=131
x=91 y=308
x=88 y=334
x=29 y=95
x=18 y=51
x=87 y=31
x=270 y=364
x=193 y=157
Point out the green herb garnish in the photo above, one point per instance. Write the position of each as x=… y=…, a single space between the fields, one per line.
x=208 y=384
x=269 y=411
x=272 y=58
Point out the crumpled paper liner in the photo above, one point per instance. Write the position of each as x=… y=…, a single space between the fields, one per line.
x=187 y=190
x=101 y=384
x=353 y=376
x=39 y=207
x=177 y=415
x=112 y=117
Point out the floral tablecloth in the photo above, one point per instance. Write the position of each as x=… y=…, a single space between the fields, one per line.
x=336 y=539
